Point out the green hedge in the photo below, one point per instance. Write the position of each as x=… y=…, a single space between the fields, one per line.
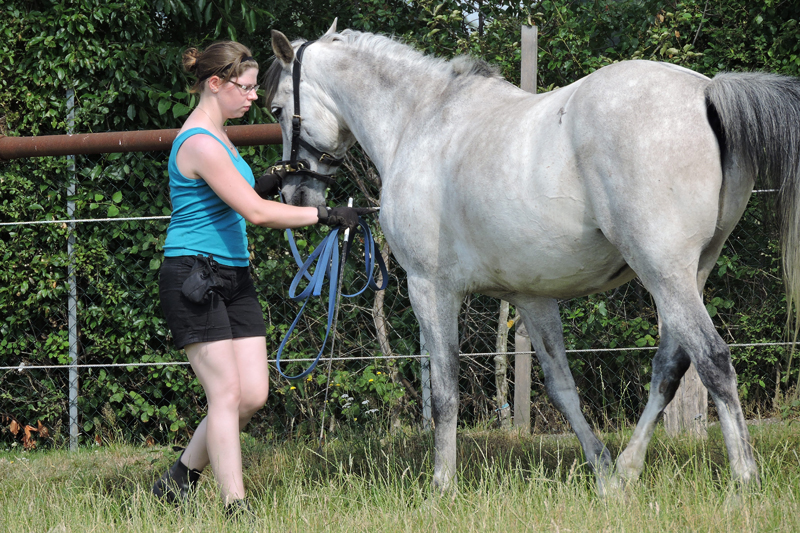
x=122 y=62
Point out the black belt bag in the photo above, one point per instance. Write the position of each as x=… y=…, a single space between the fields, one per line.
x=202 y=281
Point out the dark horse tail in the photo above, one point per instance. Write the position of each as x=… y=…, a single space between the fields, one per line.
x=756 y=117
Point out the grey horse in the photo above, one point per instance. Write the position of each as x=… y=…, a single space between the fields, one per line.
x=639 y=169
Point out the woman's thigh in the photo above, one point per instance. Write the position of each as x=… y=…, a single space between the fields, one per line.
x=251 y=361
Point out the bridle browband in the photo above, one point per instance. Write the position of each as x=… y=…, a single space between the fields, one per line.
x=301 y=166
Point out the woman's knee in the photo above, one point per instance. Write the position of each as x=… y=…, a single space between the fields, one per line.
x=228 y=400
x=252 y=400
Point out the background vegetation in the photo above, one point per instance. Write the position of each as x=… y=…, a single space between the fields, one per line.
x=121 y=60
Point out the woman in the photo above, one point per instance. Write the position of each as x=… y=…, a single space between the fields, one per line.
x=207 y=294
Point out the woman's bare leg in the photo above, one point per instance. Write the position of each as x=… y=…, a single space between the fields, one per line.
x=235 y=377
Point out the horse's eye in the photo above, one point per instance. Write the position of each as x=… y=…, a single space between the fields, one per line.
x=276 y=112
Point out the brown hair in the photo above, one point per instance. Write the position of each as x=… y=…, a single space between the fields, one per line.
x=226 y=59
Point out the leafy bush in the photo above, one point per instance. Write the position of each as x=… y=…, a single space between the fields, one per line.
x=121 y=61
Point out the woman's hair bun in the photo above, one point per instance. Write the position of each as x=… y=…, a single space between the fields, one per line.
x=190 y=59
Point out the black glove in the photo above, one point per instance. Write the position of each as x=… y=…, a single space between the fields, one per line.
x=346 y=217
x=268 y=185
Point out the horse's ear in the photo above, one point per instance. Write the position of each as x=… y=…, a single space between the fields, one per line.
x=332 y=29
x=282 y=48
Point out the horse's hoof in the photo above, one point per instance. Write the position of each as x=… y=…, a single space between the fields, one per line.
x=614 y=487
x=442 y=488
x=741 y=489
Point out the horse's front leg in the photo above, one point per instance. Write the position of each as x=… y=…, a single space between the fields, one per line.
x=436 y=309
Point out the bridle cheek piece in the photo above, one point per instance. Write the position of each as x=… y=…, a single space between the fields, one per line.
x=296 y=166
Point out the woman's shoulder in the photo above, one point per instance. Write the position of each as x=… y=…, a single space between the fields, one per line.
x=197 y=154
x=190 y=131
x=200 y=140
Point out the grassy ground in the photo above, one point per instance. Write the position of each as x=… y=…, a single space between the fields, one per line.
x=507 y=483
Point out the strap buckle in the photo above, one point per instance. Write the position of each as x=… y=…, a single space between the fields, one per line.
x=288 y=167
x=326 y=156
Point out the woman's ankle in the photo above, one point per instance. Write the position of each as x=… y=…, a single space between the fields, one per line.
x=189 y=461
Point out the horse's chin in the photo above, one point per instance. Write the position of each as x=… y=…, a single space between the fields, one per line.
x=303 y=195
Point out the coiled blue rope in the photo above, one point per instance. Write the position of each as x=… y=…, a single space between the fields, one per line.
x=328 y=265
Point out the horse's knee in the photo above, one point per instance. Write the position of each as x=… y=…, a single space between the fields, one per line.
x=444 y=377
x=667 y=388
x=560 y=395
x=444 y=407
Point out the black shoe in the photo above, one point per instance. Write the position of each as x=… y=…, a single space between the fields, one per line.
x=240 y=510
x=176 y=483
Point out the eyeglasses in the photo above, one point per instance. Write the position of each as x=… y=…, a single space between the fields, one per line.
x=246 y=88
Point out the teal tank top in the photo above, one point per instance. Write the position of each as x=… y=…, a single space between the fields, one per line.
x=201 y=222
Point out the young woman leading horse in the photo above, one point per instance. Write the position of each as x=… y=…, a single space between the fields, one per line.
x=639 y=169
x=207 y=294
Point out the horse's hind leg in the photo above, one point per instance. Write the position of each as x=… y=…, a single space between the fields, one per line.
x=669 y=365
x=544 y=326
x=712 y=358
x=688 y=335
x=437 y=312
x=689 y=331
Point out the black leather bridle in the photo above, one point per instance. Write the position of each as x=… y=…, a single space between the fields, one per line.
x=296 y=166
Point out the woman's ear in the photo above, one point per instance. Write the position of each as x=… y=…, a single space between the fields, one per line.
x=214 y=83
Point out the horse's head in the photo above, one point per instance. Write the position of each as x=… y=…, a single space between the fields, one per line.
x=315 y=138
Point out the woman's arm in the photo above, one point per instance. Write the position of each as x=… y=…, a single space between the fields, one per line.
x=201 y=156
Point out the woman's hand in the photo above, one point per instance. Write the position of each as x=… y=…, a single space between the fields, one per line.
x=342 y=216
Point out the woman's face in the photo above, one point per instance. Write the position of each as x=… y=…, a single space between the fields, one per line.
x=237 y=95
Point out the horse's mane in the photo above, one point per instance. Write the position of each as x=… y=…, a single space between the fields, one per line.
x=392 y=51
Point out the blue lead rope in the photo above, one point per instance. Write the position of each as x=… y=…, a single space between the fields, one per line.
x=328 y=265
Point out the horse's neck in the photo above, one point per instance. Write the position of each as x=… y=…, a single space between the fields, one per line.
x=379 y=103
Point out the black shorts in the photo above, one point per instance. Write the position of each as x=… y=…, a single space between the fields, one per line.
x=231 y=312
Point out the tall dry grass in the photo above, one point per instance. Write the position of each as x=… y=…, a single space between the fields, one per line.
x=382 y=483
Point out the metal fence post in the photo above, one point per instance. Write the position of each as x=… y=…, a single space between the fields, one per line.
x=425 y=364
x=72 y=302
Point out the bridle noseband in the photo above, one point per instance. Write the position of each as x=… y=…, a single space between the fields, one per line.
x=300 y=166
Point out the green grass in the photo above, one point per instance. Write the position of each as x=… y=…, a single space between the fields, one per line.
x=372 y=483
